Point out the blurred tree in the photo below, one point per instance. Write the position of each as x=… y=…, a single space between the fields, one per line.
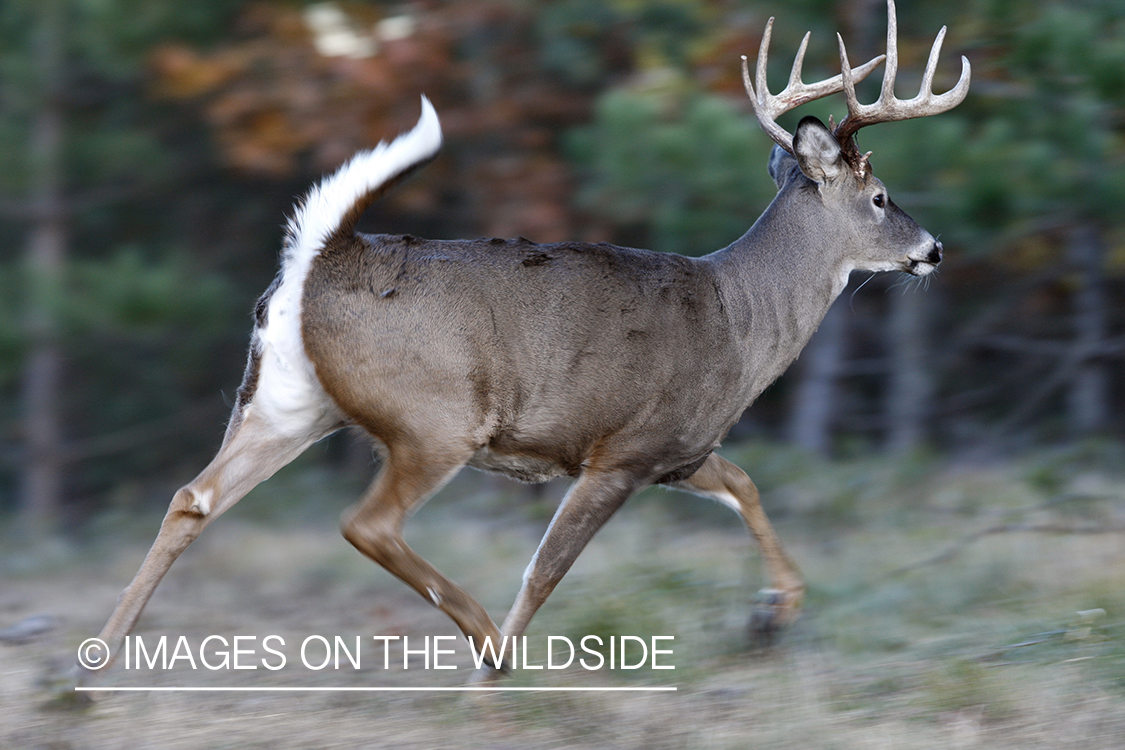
x=1072 y=61
x=813 y=411
x=581 y=42
x=1032 y=189
x=75 y=149
x=41 y=483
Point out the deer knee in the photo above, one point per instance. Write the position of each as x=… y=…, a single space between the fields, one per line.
x=192 y=500
x=378 y=540
x=742 y=488
x=184 y=520
x=351 y=529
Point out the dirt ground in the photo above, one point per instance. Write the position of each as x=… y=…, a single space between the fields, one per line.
x=1012 y=640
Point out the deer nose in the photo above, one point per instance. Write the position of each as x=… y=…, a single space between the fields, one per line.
x=934 y=255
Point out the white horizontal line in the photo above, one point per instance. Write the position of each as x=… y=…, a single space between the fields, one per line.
x=463 y=689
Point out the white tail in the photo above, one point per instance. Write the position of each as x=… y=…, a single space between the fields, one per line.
x=328 y=206
x=616 y=366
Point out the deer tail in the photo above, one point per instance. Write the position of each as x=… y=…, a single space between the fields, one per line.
x=332 y=208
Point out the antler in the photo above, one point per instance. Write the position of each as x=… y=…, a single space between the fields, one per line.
x=768 y=107
x=888 y=108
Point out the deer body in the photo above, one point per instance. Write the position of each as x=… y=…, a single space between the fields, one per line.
x=522 y=370
x=518 y=367
x=616 y=366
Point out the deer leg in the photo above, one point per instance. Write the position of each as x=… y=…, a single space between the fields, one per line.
x=779 y=605
x=179 y=529
x=250 y=454
x=593 y=499
x=374 y=527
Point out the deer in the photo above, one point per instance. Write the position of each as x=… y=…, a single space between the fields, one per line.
x=617 y=367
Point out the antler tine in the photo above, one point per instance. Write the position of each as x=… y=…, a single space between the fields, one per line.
x=765 y=105
x=763 y=58
x=888 y=108
x=955 y=95
x=931 y=62
x=768 y=107
x=887 y=92
x=798 y=63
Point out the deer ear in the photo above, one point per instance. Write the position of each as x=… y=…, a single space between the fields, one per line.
x=817 y=151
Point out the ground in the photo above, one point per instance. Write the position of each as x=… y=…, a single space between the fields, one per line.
x=949 y=606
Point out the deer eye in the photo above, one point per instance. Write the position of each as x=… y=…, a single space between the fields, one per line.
x=879 y=200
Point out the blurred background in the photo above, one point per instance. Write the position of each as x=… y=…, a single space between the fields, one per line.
x=151 y=150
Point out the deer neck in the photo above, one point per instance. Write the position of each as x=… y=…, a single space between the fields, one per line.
x=778 y=281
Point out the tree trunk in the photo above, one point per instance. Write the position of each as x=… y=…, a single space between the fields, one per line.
x=41 y=482
x=910 y=386
x=1088 y=397
x=813 y=410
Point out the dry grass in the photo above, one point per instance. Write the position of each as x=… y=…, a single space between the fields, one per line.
x=1009 y=640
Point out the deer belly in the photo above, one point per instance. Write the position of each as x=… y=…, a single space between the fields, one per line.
x=531 y=469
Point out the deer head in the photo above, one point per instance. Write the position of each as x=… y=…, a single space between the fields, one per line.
x=826 y=159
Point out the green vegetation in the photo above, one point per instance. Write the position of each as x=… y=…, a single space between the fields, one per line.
x=681 y=165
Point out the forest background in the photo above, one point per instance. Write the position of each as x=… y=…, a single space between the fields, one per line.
x=152 y=149
x=944 y=461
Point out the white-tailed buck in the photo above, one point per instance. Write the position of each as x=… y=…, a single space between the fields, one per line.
x=618 y=367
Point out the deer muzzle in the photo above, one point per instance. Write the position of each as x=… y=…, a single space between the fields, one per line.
x=930 y=257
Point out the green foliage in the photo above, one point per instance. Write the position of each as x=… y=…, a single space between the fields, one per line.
x=667 y=28
x=140 y=334
x=1052 y=148
x=117 y=35
x=684 y=168
x=583 y=41
x=105 y=47
x=573 y=38
x=130 y=296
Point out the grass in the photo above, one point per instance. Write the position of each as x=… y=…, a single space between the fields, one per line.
x=940 y=613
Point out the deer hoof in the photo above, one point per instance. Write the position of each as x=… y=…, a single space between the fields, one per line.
x=60 y=687
x=771 y=611
x=489 y=675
